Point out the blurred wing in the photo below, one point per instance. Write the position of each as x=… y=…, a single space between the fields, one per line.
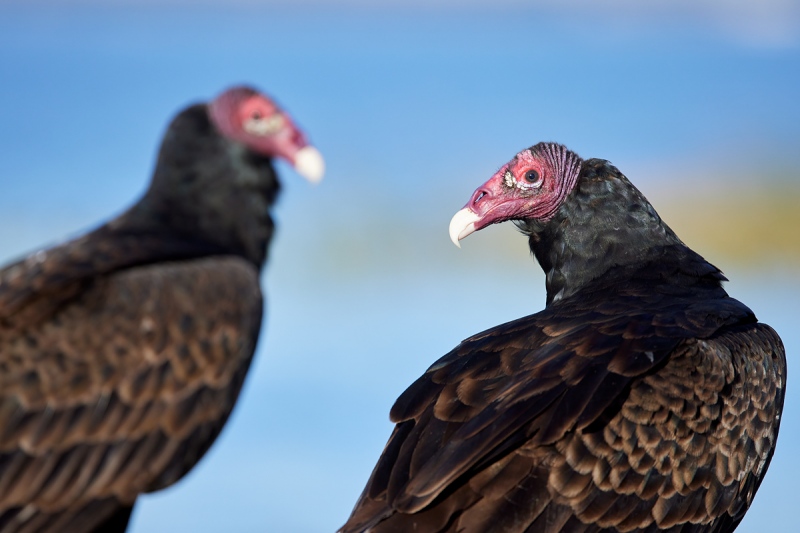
x=519 y=423
x=121 y=389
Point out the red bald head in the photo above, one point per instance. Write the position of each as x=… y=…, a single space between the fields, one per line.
x=253 y=119
x=533 y=185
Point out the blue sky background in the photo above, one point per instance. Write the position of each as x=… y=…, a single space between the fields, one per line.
x=414 y=104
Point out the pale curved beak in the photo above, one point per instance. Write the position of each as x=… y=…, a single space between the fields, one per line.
x=462 y=224
x=308 y=163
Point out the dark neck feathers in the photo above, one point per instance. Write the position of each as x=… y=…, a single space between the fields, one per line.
x=207 y=190
x=606 y=227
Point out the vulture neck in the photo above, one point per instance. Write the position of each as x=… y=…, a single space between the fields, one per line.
x=605 y=228
x=209 y=195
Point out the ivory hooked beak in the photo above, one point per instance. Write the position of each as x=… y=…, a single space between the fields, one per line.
x=462 y=224
x=308 y=163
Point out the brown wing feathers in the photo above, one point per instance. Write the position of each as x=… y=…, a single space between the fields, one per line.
x=611 y=427
x=96 y=410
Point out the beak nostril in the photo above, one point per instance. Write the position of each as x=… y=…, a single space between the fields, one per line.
x=478 y=198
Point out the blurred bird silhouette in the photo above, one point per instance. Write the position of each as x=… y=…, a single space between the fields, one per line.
x=123 y=352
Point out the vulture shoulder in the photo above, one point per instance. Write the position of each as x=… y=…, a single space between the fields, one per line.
x=115 y=384
x=581 y=415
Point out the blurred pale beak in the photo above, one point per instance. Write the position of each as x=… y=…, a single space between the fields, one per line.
x=462 y=224
x=308 y=163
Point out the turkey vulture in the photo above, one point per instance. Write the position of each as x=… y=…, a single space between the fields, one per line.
x=642 y=398
x=122 y=352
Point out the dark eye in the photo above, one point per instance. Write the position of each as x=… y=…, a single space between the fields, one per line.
x=531 y=176
x=256 y=115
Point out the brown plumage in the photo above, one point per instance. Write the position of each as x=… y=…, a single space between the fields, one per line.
x=642 y=398
x=122 y=352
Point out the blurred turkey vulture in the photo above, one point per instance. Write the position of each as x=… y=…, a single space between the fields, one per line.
x=122 y=352
x=642 y=398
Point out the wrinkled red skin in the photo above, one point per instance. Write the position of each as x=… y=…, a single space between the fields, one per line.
x=499 y=200
x=230 y=110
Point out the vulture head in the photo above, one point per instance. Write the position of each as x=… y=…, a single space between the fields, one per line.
x=214 y=179
x=532 y=186
x=253 y=119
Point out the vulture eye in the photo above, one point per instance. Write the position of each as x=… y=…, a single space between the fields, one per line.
x=531 y=176
x=258 y=124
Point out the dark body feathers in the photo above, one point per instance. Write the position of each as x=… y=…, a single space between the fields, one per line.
x=642 y=398
x=122 y=352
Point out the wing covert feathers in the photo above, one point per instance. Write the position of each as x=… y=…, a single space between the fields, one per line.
x=121 y=390
x=599 y=422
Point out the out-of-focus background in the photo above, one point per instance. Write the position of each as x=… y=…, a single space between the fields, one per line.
x=414 y=103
